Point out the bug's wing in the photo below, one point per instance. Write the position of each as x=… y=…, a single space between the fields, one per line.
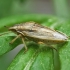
x=46 y=34
x=34 y=30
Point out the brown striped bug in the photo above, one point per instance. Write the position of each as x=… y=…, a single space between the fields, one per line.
x=38 y=33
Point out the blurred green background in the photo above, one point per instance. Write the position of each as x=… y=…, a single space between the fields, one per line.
x=19 y=7
x=59 y=8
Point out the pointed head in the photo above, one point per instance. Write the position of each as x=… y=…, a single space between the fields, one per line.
x=22 y=27
x=14 y=28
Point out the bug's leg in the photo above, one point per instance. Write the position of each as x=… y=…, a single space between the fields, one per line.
x=24 y=44
x=53 y=47
x=15 y=38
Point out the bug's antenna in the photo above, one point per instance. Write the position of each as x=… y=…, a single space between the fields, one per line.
x=5 y=32
x=6 y=26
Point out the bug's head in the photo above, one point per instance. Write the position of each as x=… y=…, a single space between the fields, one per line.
x=13 y=29
x=22 y=27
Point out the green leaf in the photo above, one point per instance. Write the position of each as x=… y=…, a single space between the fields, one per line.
x=5 y=45
x=34 y=58
x=64 y=52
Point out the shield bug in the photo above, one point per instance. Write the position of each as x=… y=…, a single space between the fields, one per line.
x=38 y=33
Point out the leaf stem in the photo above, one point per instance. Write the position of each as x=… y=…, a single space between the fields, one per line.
x=56 y=59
